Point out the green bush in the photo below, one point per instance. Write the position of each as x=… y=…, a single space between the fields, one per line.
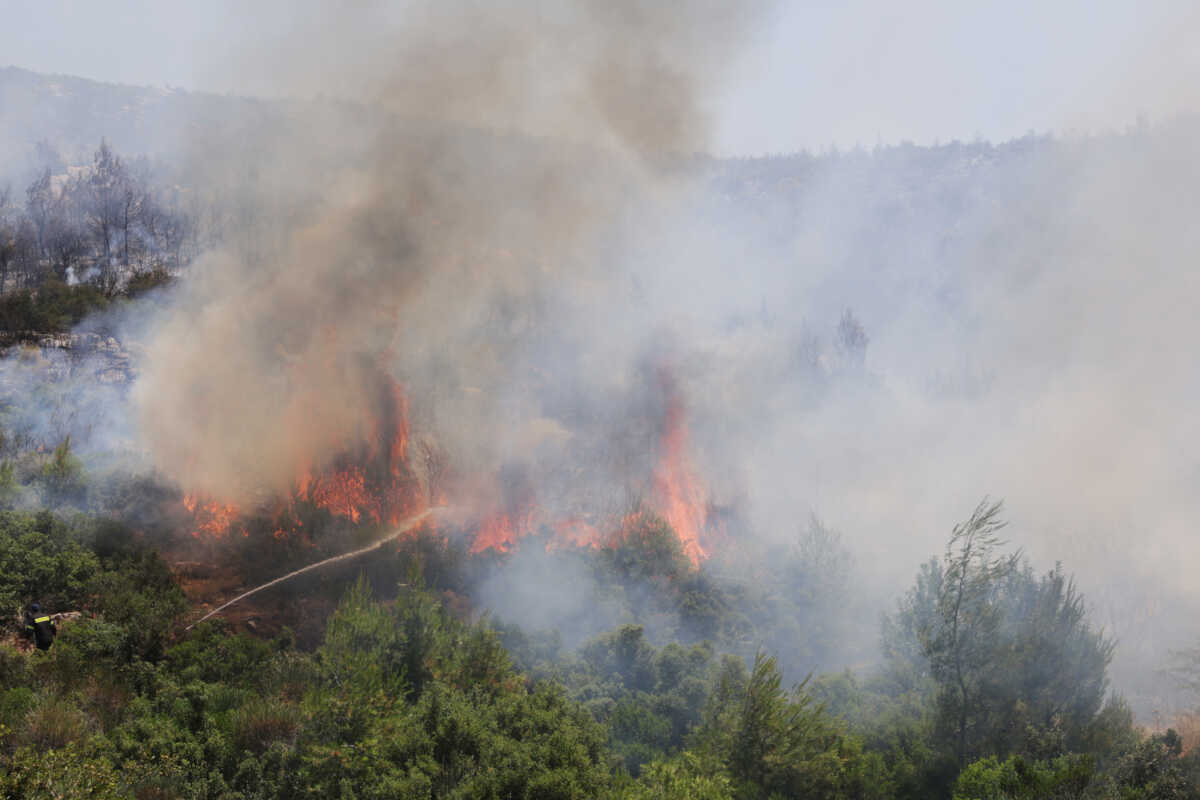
x=41 y=559
x=84 y=646
x=685 y=777
x=211 y=653
x=14 y=667
x=62 y=477
x=51 y=308
x=75 y=771
x=405 y=697
x=15 y=704
x=9 y=488
x=146 y=280
x=136 y=591
x=1018 y=778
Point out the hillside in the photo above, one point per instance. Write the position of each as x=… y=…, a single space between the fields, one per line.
x=697 y=447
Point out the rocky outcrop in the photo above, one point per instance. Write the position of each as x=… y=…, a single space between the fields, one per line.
x=75 y=355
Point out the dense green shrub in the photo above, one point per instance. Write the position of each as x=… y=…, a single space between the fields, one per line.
x=51 y=308
x=41 y=559
x=62 y=477
x=76 y=770
x=1017 y=778
x=147 y=280
x=684 y=777
x=137 y=591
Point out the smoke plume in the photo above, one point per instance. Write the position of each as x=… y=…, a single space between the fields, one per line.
x=471 y=195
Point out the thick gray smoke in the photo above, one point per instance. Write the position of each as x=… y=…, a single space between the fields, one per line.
x=1029 y=309
x=439 y=232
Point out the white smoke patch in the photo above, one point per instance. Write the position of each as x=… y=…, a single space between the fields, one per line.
x=1029 y=310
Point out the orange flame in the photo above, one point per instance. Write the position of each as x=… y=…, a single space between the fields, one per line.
x=212 y=518
x=343 y=493
x=575 y=532
x=677 y=493
x=374 y=483
x=498 y=532
x=363 y=486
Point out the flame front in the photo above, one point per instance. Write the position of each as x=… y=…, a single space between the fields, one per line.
x=363 y=484
x=677 y=493
x=374 y=483
x=502 y=532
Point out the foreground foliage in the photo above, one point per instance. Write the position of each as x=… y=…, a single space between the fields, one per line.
x=403 y=698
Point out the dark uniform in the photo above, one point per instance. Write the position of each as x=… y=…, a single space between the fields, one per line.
x=40 y=627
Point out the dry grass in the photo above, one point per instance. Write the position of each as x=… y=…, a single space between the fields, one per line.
x=54 y=724
x=107 y=699
x=260 y=723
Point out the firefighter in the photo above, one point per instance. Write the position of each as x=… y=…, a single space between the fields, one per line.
x=40 y=627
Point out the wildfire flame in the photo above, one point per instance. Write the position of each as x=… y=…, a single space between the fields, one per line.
x=677 y=493
x=362 y=488
x=211 y=517
x=374 y=483
x=502 y=531
x=363 y=485
x=574 y=532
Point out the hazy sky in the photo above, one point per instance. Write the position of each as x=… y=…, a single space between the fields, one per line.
x=845 y=73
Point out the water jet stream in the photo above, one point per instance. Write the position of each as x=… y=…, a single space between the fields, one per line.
x=404 y=527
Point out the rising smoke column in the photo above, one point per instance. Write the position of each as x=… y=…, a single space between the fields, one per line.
x=472 y=188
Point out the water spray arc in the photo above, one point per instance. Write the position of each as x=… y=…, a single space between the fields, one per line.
x=404 y=527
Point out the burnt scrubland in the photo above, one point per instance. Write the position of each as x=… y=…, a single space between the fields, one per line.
x=700 y=443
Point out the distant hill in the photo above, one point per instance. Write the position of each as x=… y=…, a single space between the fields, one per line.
x=72 y=114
